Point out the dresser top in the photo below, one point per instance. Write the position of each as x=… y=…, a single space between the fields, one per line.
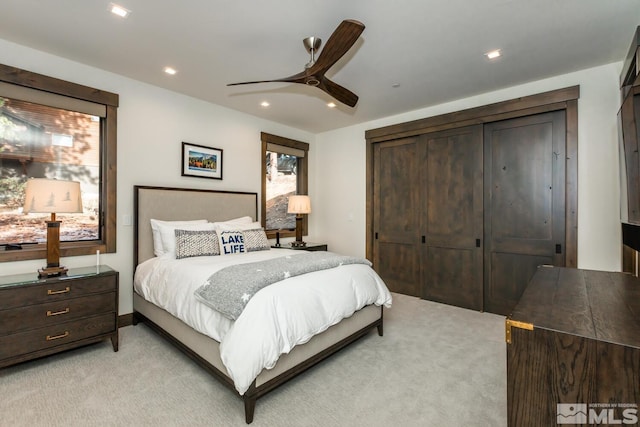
x=599 y=305
x=73 y=273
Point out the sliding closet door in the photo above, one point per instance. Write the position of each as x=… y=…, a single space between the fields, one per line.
x=396 y=218
x=452 y=217
x=524 y=203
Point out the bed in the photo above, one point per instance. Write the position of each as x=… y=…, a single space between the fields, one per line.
x=212 y=350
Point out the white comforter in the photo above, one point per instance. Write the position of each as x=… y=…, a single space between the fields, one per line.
x=275 y=320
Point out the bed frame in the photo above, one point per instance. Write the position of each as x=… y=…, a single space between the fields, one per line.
x=168 y=204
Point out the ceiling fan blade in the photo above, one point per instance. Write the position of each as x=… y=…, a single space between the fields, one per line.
x=296 y=78
x=338 y=44
x=340 y=93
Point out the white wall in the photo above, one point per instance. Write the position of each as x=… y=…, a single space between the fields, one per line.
x=339 y=203
x=152 y=123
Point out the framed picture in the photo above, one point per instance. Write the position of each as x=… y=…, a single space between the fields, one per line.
x=201 y=161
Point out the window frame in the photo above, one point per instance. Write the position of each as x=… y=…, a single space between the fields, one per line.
x=302 y=180
x=108 y=163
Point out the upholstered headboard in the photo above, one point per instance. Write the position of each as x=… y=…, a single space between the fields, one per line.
x=174 y=204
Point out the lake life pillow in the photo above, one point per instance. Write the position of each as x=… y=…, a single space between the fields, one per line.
x=231 y=242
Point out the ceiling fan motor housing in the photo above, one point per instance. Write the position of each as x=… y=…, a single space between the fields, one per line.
x=312 y=44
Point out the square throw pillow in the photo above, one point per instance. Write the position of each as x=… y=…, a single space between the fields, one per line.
x=231 y=242
x=191 y=243
x=158 y=249
x=255 y=240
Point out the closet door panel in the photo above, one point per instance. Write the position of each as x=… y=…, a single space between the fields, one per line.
x=510 y=273
x=452 y=217
x=524 y=203
x=451 y=277
x=396 y=220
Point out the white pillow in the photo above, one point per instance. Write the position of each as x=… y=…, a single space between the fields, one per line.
x=168 y=235
x=235 y=221
x=225 y=226
x=158 y=250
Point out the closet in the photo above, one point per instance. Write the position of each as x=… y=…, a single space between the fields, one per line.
x=462 y=208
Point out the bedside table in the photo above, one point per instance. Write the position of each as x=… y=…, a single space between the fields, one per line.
x=43 y=316
x=308 y=247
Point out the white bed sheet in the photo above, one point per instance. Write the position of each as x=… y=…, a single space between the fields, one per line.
x=275 y=320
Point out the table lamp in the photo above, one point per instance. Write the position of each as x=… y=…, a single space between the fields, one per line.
x=299 y=205
x=52 y=196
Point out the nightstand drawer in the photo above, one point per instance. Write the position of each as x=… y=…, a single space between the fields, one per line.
x=53 y=291
x=51 y=336
x=52 y=313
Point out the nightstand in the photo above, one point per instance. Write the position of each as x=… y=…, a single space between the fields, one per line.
x=308 y=247
x=43 y=316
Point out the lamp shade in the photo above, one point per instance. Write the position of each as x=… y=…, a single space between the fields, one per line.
x=44 y=195
x=299 y=205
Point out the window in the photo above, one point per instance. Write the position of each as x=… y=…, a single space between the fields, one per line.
x=50 y=128
x=284 y=173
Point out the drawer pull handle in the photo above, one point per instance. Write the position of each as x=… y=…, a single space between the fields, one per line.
x=56 y=337
x=64 y=291
x=55 y=313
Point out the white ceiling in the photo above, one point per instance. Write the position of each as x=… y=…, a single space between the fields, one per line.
x=434 y=49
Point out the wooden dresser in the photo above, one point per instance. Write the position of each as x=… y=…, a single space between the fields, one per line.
x=39 y=317
x=573 y=349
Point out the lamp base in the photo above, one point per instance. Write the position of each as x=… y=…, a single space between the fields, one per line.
x=52 y=271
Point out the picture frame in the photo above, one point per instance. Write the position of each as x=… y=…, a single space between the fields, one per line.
x=201 y=161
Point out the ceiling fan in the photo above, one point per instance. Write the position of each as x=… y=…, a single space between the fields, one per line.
x=313 y=75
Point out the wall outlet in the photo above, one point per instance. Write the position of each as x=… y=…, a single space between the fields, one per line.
x=127 y=220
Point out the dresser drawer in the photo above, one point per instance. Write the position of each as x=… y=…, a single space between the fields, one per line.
x=52 y=313
x=55 y=291
x=51 y=336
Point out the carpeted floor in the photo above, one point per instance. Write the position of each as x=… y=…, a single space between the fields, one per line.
x=436 y=365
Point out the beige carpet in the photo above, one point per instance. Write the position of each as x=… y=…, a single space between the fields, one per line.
x=436 y=365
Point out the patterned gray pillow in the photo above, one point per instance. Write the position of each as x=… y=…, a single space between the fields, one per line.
x=190 y=243
x=255 y=240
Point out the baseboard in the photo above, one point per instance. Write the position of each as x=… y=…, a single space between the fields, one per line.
x=125 y=320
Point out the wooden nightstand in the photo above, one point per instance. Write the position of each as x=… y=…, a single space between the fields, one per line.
x=308 y=247
x=39 y=317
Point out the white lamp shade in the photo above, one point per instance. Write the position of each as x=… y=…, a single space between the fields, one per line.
x=52 y=196
x=299 y=205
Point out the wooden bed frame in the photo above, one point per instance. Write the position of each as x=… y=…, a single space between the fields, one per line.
x=171 y=204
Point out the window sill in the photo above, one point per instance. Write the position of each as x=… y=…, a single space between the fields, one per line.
x=39 y=251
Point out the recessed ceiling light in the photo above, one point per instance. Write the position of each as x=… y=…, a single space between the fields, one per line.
x=331 y=105
x=395 y=85
x=170 y=71
x=119 y=10
x=264 y=104
x=493 y=54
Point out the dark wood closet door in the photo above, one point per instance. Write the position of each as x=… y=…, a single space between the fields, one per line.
x=524 y=204
x=396 y=248
x=452 y=217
